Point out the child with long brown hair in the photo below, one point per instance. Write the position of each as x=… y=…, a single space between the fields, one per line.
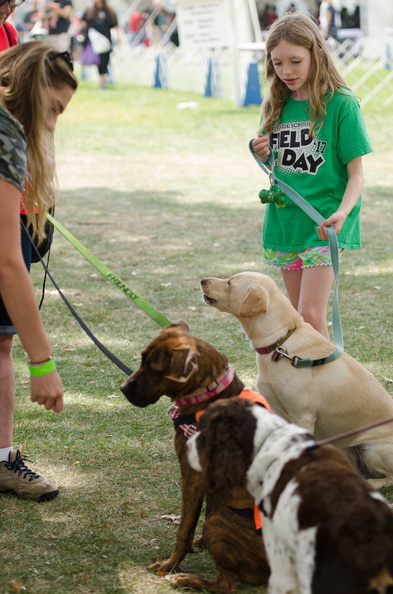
x=312 y=122
x=36 y=85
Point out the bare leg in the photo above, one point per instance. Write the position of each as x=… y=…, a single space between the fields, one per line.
x=312 y=294
x=7 y=390
x=293 y=280
x=15 y=476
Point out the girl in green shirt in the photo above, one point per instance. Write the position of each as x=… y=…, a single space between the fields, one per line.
x=312 y=121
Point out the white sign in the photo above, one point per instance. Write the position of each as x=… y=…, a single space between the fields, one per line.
x=202 y=24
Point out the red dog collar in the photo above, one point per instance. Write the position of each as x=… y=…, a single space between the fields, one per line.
x=272 y=347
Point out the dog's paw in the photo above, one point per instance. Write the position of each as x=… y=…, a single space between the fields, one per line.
x=198 y=542
x=162 y=567
x=181 y=580
x=188 y=580
x=185 y=580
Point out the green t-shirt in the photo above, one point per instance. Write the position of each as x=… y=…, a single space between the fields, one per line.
x=316 y=169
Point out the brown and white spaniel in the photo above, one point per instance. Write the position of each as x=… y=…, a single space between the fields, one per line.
x=326 y=529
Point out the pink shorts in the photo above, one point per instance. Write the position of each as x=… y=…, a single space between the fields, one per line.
x=313 y=256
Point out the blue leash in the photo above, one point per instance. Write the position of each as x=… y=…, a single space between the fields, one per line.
x=333 y=245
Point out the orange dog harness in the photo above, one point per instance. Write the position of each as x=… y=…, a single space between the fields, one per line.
x=247 y=395
x=187 y=424
x=258 y=399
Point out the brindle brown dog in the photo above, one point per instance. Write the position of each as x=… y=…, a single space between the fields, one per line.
x=194 y=374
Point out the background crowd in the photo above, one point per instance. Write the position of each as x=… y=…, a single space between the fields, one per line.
x=60 y=22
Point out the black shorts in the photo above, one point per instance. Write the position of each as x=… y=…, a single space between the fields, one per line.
x=6 y=326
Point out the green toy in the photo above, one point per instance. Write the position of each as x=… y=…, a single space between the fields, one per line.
x=273 y=195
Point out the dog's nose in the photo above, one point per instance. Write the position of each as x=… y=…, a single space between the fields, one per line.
x=124 y=389
x=203 y=281
x=127 y=385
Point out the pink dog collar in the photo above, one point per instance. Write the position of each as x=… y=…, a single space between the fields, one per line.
x=208 y=392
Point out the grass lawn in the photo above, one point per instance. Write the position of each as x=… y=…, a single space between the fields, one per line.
x=163 y=197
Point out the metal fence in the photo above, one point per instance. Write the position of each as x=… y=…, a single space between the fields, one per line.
x=210 y=72
x=367 y=72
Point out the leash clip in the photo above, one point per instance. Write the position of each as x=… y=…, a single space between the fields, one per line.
x=282 y=352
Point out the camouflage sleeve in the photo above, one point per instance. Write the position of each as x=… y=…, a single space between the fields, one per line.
x=12 y=150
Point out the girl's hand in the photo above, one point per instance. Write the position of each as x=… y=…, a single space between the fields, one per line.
x=47 y=390
x=350 y=198
x=260 y=146
x=336 y=221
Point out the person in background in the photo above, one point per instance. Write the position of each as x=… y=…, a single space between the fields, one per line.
x=135 y=25
x=36 y=85
x=268 y=16
x=328 y=19
x=8 y=33
x=57 y=19
x=101 y=17
x=312 y=122
x=33 y=16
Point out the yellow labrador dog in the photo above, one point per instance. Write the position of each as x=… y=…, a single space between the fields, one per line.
x=327 y=399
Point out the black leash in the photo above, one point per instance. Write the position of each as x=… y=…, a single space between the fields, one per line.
x=90 y=334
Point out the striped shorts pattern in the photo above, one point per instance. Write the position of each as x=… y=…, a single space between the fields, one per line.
x=313 y=256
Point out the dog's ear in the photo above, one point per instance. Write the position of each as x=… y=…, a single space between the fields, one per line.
x=227 y=443
x=184 y=363
x=255 y=303
x=180 y=325
x=256 y=473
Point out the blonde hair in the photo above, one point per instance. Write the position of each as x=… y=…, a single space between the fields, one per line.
x=299 y=29
x=26 y=73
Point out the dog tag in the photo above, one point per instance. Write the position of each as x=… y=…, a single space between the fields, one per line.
x=276 y=355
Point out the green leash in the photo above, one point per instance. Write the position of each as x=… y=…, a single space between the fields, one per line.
x=110 y=276
x=333 y=245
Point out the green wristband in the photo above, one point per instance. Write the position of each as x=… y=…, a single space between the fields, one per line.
x=37 y=370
